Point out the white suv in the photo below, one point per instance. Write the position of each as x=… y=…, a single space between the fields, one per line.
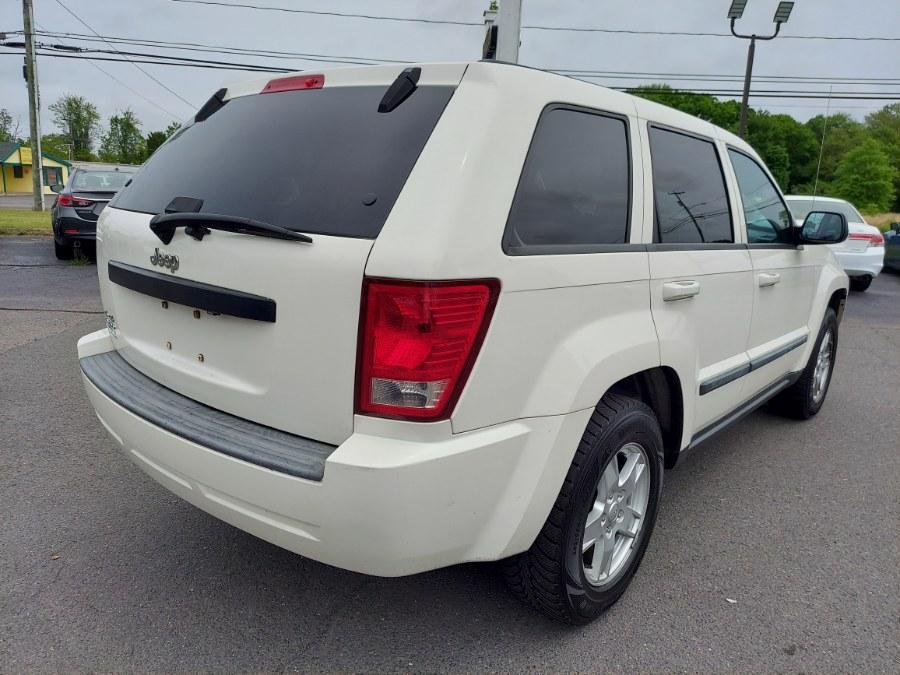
x=396 y=319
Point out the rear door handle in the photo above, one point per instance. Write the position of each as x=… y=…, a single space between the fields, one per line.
x=680 y=290
x=768 y=279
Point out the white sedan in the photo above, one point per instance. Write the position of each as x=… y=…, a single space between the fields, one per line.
x=862 y=253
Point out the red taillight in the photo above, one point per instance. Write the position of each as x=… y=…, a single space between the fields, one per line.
x=875 y=239
x=418 y=342
x=294 y=83
x=69 y=200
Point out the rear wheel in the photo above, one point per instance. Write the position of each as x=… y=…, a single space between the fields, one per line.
x=860 y=284
x=63 y=251
x=805 y=397
x=596 y=534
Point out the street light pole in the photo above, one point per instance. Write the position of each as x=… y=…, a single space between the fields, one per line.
x=782 y=14
x=748 y=74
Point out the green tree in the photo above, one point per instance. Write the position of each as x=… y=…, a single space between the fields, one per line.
x=9 y=127
x=789 y=148
x=78 y=120
x=172 y=128
x=56 y=145
x=154 y=140
x=123 y=142
x=884 y=126
x=721 y=113
x=842 y=134
x=865 y=177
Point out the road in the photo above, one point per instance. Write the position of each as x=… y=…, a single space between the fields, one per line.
x=22 y=201
x=102 y=569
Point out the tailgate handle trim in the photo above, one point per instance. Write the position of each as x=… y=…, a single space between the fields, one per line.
x=197 y=294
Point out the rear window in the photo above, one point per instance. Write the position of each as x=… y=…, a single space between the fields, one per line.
x=801 y=207
x=320 y=161
x=100 y=181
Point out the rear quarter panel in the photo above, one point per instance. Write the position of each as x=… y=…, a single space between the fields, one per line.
x=566 y=327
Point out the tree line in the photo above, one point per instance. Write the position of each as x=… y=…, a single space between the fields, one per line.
x=81 y=136
x=858 y=161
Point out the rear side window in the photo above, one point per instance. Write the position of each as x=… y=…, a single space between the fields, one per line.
x=575 y=188
x=768 y=219
x=689 y=190
x=321 y=161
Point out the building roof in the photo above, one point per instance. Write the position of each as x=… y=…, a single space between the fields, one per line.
x=9 y=147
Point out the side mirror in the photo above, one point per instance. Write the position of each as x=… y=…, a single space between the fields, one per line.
x=823 y=227
x=895 y=227
x=56 y=188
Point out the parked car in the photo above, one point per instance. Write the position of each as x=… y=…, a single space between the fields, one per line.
x=892 y=248
x=80 y=201
x=862 y=254
x=456 y=312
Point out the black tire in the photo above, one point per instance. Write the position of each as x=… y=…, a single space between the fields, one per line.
x=798 y=401
x=550 y=575
x=63 y=251
x=860 y=284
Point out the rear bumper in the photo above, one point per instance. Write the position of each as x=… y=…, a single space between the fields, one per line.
x=68 y=229
x=387 y=505
x=862 y=263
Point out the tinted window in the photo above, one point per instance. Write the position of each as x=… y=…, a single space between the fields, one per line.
x=689 y=190
x=321 y=161
x=575 y=186
x=800 y=207
x=768 y=219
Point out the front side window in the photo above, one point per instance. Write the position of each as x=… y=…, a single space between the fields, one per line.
x=768 y=219
x=574 y=192
x=689 y=190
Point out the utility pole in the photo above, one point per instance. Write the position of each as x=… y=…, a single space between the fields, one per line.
x=735 y=12
x=34 y=107
x=504 y=23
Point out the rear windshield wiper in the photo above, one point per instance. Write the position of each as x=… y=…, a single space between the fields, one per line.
x=198 y=225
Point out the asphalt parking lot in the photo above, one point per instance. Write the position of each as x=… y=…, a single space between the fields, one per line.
x=776 y=547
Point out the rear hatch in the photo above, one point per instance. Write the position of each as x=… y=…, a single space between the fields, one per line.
x=260 y=327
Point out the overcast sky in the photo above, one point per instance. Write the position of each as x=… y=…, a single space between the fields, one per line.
x=355 y=37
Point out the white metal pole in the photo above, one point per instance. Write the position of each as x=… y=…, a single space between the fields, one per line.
x=509 y=21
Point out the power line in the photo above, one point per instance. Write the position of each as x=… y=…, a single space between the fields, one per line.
x=178 y=59
x=576 y=29
x=224 y=49
x=86 y=25
x=110 y=59
x=129 y=88
x=588 y=71
x=366 y=60
x=785 y=94
x=623 y=31
x=371 y=17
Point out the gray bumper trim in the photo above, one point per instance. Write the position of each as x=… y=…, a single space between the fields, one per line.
x=211 y=428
